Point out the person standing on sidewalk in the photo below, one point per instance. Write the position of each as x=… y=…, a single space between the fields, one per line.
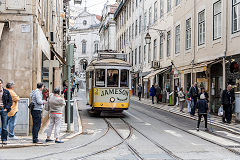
x=227 y=101
x=193 y=93
x=203 y=91
x=55 y=104
x=139 y=91
x=188 y=100
x=5 y=107
x=36 y=112
x=152 y=93
x=158 y=93
x=202 y=107
x=181 y=97
x=12 y=115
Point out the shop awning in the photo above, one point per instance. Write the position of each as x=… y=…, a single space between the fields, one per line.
x=155 y=73
x=143 y=74
x=59 y=58
x=1 y=29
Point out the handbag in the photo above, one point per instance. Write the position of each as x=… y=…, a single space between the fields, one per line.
x=31 y=106
x=220 y=111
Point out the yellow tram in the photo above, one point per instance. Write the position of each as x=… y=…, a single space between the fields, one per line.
x=108 y=82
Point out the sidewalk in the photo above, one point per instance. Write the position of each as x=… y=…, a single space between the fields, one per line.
x=215 y=120
x=26 y=141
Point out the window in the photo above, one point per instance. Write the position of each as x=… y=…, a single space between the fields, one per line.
x=136 y=28
x=129 y=9
x=188 y=34
x=168 y=43
x=129 y=33
x=100 y=78
x=95 y=47
x=112 y=77
x=136 y=3
x=132 y=30
x=155 y=11
x=161 y=8
x=145 y=53
x=139 y=55
x=136 y=56
x=217 y=20
x=145 y=21
x=155 y=49
x=140 y=24
x=161 y=46
x=177 y=39
x=133 y=6
x=236 y=16
x=201 y=27
x=84 y=22
x=150 y=16
x=124 y=38
x=127 y=12
x=132 y=57
x=178 y=2
x=127 y=36
x=169 y=5
x=149 y=53
x=124 y=78
x=84 y=46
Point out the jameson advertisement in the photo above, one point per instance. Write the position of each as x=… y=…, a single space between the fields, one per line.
x=112 y=95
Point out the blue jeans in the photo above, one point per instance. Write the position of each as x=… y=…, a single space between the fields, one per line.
x=4 y=125
x=11 y=124
x=37 y=117
x=194 y=103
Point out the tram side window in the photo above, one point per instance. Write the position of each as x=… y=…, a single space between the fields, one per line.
x=100 y=78
x=124 y=78
x=112 y=77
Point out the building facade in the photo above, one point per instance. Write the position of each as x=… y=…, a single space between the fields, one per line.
x=190 y=41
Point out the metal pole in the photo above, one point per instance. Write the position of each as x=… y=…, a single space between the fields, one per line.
x=70 y=51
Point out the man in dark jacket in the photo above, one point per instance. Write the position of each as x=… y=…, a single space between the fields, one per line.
x=227 y=101
x=158 y=92
x=193 y=94
x=5 y=107
x=139 y=91
x=152 y=93
x=202 y=107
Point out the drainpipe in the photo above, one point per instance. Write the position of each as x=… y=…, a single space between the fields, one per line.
x=226 y=47
x=194 y=39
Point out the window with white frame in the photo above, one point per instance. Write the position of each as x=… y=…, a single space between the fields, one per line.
x=150 y=16
x=161 y=46
x=145 y=21
x=96 y=47
x=133 y=6
x=149 y=53
x=217 y=20
x=145 y=52
x=169 y=5
x=188 y=34
x=129 y=9
x=177 y=39
x=161 y=8
x=136 y=56
x=132 y=57
x=136 y=28
x=127 y=36
x=155 y=11
x=235 y=16
x=129 y=32
x=139 y=55
x=132 y=30
x=155 y=49
x=136 y=3
x=201 y=27
x=178 y=2
x=140 y=24
x=168 y=43
x=84 y=46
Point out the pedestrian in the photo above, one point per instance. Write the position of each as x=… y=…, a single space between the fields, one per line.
x=12 y=115
x=36 y=112
x=203 y=91
x=202 y=107
x=188 y=100
x=181 y=97
x=56 y=103
x=5 y=107
x=158 y=93
x=152 y=93
x=73 y=86
x=193 y=93
x=65 y=90
x=228 y=99
x=45 y=93
x=139 y=91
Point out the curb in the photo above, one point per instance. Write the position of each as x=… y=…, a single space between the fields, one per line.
x=22 y=145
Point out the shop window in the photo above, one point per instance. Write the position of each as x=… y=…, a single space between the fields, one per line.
x=112 y=77
x=234 y=67
x=100 y=78
x=124 y=78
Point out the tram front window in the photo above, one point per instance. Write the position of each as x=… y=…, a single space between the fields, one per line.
x=124 y=78
x=100 y=78
x=112 y=77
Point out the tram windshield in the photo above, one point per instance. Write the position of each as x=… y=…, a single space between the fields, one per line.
x=124 y=78
x=112 y=77
x=100 y=78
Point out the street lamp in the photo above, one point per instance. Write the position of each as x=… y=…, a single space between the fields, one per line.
x=148 y=38
x=75 y=47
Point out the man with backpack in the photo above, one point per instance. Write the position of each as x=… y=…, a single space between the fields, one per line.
x=193 y=94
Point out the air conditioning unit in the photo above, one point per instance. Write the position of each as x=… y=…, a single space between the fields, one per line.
x=155 y=64
x=77 y=1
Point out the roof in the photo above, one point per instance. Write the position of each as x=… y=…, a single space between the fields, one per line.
x=107 y=62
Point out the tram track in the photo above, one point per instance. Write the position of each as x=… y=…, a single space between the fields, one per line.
x=229 y=148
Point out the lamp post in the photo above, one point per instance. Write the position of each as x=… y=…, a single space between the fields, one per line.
x=148 y=38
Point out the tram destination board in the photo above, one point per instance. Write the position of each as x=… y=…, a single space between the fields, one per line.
x=120 y=56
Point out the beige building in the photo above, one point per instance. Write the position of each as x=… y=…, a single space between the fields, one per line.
x=31 y=43
x=199 y=42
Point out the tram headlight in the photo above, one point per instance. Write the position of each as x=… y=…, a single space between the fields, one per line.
x=112 y=99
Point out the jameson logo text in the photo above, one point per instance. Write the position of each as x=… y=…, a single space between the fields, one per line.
x=114 y=92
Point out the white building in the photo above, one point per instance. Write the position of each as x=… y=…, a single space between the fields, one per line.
x=108 y=27
x=84 y=33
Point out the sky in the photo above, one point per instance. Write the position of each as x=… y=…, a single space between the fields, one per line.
x=94 y=6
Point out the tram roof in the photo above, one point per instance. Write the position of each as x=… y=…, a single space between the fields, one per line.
x=107 y=62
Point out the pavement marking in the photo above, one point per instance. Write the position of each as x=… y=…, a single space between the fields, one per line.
x=147 y=124
x=195 y=144
x=91 y=123
x=173 y=133
x=229 y=134
x=216 y=139
x=134 y=116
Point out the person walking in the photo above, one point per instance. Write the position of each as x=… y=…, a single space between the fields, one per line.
x=203 y=91
x=45 y=93
x=139 y=91
x=193 y=93
x=158 y=93
x=181 y=97
x=12 y=115
x=36 y=112
x=228 y=99
x=188 y=100
x=56 y=103
x=152 y=93
x=202 y=107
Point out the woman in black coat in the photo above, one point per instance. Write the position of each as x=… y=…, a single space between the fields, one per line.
x=202 y=106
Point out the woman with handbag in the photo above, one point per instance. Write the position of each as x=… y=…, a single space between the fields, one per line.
x=181 y=96
x=55 y=106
